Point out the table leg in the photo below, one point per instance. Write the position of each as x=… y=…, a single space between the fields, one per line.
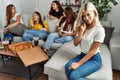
x=30 y=75
x=3 y=58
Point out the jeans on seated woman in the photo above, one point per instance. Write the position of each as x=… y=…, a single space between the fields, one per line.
x=8 y=35
x=29 y=34
x=81 y=72
x=54 y=37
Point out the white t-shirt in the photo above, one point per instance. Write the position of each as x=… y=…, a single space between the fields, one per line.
x=62 y=27
x=94 y=34
x=15 y=18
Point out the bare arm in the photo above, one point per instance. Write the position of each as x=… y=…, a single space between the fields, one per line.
x=90 y=53
x=71 y=34
x=47 y=30
x=81 y=31
x=52 y=17
x=15 y=23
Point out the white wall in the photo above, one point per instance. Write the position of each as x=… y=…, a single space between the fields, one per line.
x=28 y=6
x=43 y=6
x=17 y=5
x=114 y=17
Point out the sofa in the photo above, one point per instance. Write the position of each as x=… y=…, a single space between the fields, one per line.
x=54 y=68
x=62 y=53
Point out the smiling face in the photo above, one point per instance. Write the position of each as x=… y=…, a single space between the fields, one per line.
x=13 y=11
x=35 y=17
x=54 y=6
x=88 y=16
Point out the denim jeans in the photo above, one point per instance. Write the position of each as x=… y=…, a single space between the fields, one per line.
x=29 y=34
x=8 y=35
x=89 y=67
x=54 y=37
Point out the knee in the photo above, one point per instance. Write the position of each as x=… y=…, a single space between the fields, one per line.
x=25 y=34
x=53 y=34
x=69 y=38
x=75 y=76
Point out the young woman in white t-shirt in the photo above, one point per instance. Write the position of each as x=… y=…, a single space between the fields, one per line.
x=11 y=15
x=90 y=35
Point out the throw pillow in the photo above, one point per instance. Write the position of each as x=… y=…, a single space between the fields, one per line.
x=17 y=30
x=108 y=34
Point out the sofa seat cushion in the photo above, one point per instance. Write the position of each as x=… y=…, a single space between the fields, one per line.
x=17 y=39
x=55 y=66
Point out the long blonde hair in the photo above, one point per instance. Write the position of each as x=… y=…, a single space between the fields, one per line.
x=85 y=7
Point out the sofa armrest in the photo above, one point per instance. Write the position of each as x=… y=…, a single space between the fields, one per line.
x=115 y=41
x=114 y=46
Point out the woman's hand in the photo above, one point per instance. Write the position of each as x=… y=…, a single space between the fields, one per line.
x=64 y=35
x=74 y=65
x=60 y=34
x=5 y=31
x=82 y=27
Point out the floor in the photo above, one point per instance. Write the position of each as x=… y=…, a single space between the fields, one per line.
x=42 y=76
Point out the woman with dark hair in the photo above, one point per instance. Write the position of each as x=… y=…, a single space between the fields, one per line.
x=39 y=28
x=11 y=16
x=56 y=10
x=65 y=30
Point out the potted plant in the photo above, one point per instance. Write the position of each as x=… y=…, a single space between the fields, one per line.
x=103 y=6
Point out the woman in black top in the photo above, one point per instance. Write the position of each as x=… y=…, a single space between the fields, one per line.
x=56 y=10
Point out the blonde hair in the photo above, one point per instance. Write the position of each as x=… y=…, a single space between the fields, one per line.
x=87 y=7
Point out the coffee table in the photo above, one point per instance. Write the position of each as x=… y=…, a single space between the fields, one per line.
x=35 y=55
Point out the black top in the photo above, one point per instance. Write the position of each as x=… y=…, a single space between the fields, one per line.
x=57 y=14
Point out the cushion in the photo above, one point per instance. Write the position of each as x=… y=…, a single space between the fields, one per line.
x=26 y=19
x=52 y=24
x=55 y=66
x=108 y=34
x=18 y=30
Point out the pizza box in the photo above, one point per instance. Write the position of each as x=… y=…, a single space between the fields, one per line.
x=16 y=47
x=30 y=56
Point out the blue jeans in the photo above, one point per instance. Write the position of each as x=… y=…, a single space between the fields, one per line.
x=54 y=37
x=29 y=34
x=85 y=69
x=8 y=35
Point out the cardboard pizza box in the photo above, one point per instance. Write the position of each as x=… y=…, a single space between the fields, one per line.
x=30 y=56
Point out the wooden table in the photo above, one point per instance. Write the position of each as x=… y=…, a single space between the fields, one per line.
x=28 y=57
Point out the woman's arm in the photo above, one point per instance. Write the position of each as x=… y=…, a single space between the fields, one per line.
x=81 y=31
x=86 y=57
x=17 y=22
x=46 y=27
x=90 y=53
x=59 y=32
x=52 y=17
x=71 y=34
